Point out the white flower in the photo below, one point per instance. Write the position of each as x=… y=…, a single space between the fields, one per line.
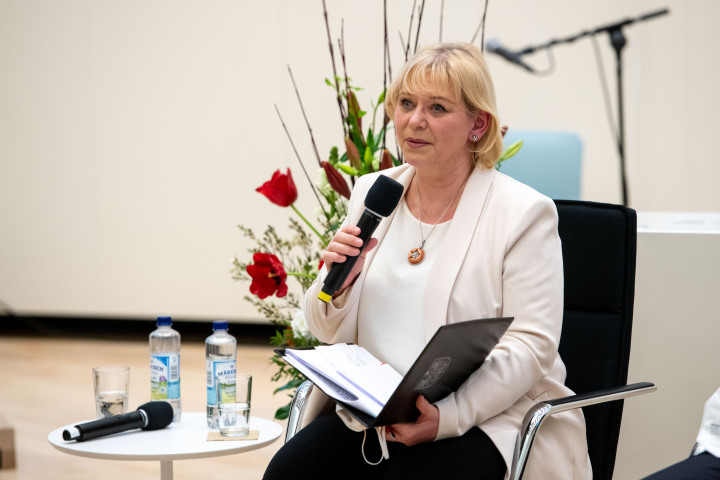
x=299 y=325
x=322 y=183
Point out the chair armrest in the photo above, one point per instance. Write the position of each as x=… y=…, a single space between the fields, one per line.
x=697 y=449
x=296 y=406
x=542 y=410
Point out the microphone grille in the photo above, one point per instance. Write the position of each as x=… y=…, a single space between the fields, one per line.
x=159 y=414
x=492 y=45
x=384 y=195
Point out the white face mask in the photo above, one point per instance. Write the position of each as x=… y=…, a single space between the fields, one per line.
x=354 y=424
x=709 y=435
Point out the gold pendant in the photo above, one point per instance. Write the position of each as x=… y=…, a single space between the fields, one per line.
x=416 y=255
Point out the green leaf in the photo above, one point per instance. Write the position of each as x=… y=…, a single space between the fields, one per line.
x=288 y=386
x=511 y=150
x=509 y=153
x=282 y=413
x=378 y=138
x=371 y=163
x=371 y=141
x=356 y=132
x=278 y=339
x=347 y=169
x=333 y=159
x=353 y=105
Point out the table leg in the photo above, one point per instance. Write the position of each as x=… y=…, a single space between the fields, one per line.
x=166 y=470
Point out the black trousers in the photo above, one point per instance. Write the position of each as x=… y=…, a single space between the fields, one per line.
x=700 y=467
x=327 y=449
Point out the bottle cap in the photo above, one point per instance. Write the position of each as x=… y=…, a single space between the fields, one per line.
x=164 y=321
x=220 y=325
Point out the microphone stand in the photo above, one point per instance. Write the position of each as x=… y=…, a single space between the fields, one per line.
x=618 y=42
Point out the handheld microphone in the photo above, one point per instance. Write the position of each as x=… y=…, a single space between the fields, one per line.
x=149 y=416
x=493 y=45
x=381 y=200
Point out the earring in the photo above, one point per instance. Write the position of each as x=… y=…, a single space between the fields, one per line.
x=474 y=138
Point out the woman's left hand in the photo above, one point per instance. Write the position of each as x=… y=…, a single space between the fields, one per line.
x=423 y=430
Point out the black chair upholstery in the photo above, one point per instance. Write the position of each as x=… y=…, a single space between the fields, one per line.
x=599 y=245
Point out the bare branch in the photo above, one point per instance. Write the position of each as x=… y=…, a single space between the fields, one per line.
x=386 y=68
x=412 y=16
x=482 y=38
x=385 y=44
x=341 y=48
x=335 y=76
x=481 y=26
x=442 y=11
x=302 y=165
x=302 y=109
x=417 y=33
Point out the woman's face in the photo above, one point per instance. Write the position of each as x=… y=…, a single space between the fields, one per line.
x=433 y=130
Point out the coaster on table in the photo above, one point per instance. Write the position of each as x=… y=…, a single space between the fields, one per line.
x=215 y=436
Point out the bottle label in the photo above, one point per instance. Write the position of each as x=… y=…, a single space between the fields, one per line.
x=220 y=381
x=165 y=376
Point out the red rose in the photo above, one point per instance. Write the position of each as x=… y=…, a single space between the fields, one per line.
x=268 y=276
x=280 y=190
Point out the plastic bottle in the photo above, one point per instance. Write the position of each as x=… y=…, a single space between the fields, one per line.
x=165 y=365
x=220 y=358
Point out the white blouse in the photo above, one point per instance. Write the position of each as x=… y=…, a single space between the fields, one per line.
x=390 y=322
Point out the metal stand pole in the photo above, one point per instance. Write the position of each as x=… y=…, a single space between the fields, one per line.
x=618 y=41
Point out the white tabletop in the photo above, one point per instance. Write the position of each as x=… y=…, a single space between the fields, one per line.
x=183 y=440
x=679 y=222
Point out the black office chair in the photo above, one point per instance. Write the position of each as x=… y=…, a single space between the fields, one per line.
x=599 y=245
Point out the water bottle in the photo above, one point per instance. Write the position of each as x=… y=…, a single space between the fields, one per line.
x=220 y=357
x=165 y=365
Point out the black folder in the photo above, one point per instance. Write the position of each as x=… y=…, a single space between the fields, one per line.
x=450 y=357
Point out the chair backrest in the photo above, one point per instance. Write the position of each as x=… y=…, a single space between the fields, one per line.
x=549 y=161
x=599 y=247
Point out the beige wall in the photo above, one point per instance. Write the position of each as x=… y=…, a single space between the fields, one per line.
x=133 y=133
x=676 y=326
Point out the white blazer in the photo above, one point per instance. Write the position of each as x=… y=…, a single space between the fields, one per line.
x=501 y=257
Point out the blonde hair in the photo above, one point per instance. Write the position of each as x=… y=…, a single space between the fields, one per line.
x=461 y=68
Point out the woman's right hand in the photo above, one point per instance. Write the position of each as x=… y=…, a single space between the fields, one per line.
x=346 y=243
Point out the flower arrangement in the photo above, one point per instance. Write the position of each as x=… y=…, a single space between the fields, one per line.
x=275 y=258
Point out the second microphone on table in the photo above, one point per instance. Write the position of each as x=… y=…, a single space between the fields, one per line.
x=149 y=416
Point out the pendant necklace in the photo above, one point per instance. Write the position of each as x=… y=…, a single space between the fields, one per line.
x=416 y=255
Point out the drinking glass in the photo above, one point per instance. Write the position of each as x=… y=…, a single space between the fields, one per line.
x=234 y=416
x=111 y=384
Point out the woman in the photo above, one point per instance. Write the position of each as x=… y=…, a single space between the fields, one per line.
x=465 y=242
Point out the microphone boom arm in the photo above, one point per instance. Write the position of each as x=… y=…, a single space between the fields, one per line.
x=585 y=33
